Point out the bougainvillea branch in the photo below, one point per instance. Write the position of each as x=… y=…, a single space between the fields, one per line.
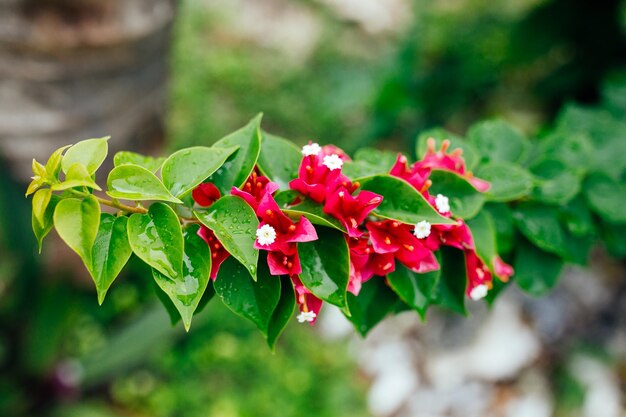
x=272 y=229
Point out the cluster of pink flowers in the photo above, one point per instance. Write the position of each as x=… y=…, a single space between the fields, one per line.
x=375 y=244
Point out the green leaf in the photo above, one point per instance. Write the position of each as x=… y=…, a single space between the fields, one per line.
x=187 y=168
x=157 y=239
x=255 y=301
x=40 y=203
x=536 y=272
x=279 y=159
x=34 y=185
x=484 y=234
x=577 y=217
x=508 y=181
x=450 y=290
x=43 y=227
x=53 y=166
x=556 y=184
x=470 y=154
x=239 y=166
x=234 y=223
x=326 y=266
x=572 y=149
x=132 y=182
x=186 y=290
x=90 y=153
x=315 y=213
x=502 y=217
x=77 y=176
x=110 y=252
x=76 y=221
x=132 y=158
x=368 y=162
x=374 y=302
x=540 y=224
x=606 y=197
x=496 y=140
x=416 y=290
x=613 y=237
x=465 y=200
x=401 y=201
x=283 y=312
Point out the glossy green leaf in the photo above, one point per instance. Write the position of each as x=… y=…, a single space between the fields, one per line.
x=76 y=176
x=508 y=181
x=374 y=302
x=556 y=183
x=234 y=223
x=131 y=158
x=187 y=168
x=283 y=312
x=239 y=166
x=613 y=238
x=110 y=252
x=536 y=272
x=253 y=300
x=416 y=290
x=606 y=197
x=401 y=201
x=502 y=217
x=540 y=224
x=326 y=266
x=43 y=227
x=470 y=154
x=53 y=166
x=465 y=200
x=315 y=213
x=157 y=239
x=90 y=153
x=76 y=221
x=279 y=159
x=368 y=162
x=450 y=290
x=496 y=140
x=132 y=182
x=577 y=217
x=40 y=203
x=186 y=290
x=572 y=149
x=35 y=185
x=484 y=234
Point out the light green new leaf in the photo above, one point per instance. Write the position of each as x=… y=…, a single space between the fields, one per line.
x=187 y=168
x=401 y=201
x=326 y=266
x=90 y=153
x=132 y=182
x=253 y=300
x=374 y=302
x=53 y=166
x=131 y=158
x=465 y=200
x=40 y=203
x=76 y=176
x=157 y=239
x=239 y=166
x=497 y=140
x=43 y=227
x=76 y=221
x=416 y=290
x=234 y=223
x=508 y=181
x=187 y=289
x=110 y=252
x=279 y=159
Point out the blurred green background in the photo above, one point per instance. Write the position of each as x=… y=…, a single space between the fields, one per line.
x=317 y=71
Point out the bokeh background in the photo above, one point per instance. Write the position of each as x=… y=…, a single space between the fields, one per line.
x=159 y=75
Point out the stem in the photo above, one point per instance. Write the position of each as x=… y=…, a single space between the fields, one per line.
x=113 y=203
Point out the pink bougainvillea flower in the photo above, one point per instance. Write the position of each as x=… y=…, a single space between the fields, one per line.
x=334 y=150
x=218 y=252
x=365 y=262
x=308 y=304
x=455 y=235
x=478 y=276
x=502 y=270
x=205 y=194
x=253 y=190
x=390 y=236
x=286 y=262
x=415 y=176
x=350 y=210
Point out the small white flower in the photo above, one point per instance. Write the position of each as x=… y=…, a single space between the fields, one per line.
x=422 y=229
x=265 y=235
x=311 y=149
x=333 y=162
x=306 y=316
x=442 y=203
x=479 y=292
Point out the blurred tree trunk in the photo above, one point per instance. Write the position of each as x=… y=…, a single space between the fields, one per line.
x=75 y=69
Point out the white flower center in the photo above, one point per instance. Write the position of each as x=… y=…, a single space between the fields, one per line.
x=306 y=316
x=422 y=229
x=311 y=149
x=442 y=203
x=479 y=292
x=265 y=235
x=333 y=162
